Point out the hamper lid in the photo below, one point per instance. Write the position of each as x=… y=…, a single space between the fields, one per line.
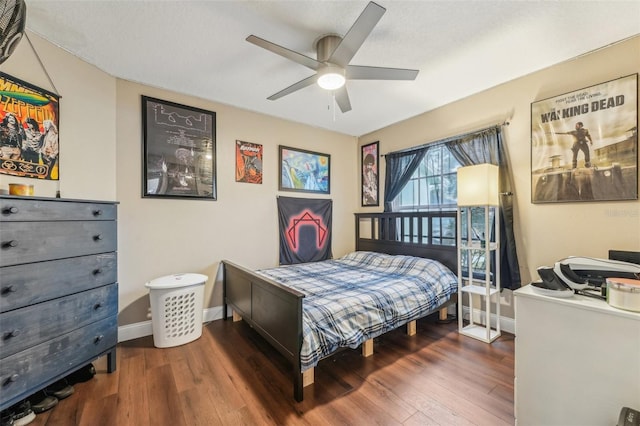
x=177 y=280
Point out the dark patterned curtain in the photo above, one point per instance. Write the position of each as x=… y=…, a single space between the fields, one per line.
x=486 y=146
x=400 y=166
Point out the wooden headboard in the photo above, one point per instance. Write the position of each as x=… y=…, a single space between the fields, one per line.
x=422 y=234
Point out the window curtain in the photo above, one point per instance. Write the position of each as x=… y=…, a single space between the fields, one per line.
x=400 y=166
x=486 y=146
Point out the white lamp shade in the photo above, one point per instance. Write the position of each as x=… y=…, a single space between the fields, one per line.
x=478 y=185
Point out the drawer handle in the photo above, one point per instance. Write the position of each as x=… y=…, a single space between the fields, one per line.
x=97 y=212
x=12 y=333
x=9 y=244
x=97 y=306
x=97 y=271
x=98 y=339
x=10 y=210
x=12 y=379
x=98 y=237
x=9 y=289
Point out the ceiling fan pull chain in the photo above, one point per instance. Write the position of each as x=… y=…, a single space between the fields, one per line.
x=333 y=96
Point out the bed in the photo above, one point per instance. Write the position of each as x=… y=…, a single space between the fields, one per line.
x=404 y=261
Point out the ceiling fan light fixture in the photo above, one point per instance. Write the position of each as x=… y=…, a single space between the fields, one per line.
x=331 y=78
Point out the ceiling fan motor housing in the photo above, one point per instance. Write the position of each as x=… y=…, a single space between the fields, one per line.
x=325 y=47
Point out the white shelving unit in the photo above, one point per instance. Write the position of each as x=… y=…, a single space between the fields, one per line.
x=480 y=318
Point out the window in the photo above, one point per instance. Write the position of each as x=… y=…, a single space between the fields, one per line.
x=433 y=185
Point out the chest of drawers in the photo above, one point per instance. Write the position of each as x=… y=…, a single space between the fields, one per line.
x=58 y=290
x=577 y=360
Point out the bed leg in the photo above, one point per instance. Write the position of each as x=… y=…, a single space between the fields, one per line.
x=443 y=314
x=367 y=348
x=236 y=316
x=308 y=377
x=298 y=392
x=411 y=328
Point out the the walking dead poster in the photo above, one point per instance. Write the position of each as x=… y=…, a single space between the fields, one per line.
x=584 y=144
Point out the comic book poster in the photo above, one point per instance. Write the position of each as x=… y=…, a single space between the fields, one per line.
x=248 y=162
x=29 y=120
x=584 y=144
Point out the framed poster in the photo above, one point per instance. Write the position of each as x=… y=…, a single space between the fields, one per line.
x=584 y=144
x=304 y=171
x=248 y=162
x=29 y=120
x=179 y=151
x=369 y=166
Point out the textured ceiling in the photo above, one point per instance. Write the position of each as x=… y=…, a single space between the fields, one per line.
x=460 y=47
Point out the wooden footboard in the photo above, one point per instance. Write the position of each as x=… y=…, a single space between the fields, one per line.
x=273 y=310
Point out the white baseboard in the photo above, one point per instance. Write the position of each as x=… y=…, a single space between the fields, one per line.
x=506 y=324
x=144 y=328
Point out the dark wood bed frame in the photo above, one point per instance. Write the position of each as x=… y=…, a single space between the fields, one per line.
x=275 y=311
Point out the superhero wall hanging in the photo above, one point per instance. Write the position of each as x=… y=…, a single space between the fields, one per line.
x=305 y=230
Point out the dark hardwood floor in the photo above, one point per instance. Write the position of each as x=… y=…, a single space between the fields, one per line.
x=231 y=376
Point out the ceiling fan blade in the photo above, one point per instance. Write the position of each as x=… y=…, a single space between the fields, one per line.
x=357 y=34
x=286 y=53
x=342 y=99
x=294 y=87
x=355 y=72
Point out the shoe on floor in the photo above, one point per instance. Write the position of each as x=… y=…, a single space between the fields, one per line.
x=84 y=374
x=6 y=419
x=41 y=402
x=25 y=420
x=21 y=413
x=60 y=389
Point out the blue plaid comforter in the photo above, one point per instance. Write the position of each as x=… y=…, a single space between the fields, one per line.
x=361 y=296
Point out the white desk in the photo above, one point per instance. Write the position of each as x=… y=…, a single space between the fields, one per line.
x=577 y=360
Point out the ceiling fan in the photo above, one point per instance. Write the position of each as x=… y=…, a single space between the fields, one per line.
x=13 y=15
x=333 y=54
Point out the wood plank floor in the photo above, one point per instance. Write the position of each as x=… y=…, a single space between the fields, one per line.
x=231 y=376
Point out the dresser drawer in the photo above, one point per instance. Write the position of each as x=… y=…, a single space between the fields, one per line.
x=25 y=242
x=23 y=328
x=18 y=210
x=23 y=285
x=28 y=371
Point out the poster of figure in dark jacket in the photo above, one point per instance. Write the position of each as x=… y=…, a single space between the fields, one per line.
x=29 y=145
x=584 y=144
